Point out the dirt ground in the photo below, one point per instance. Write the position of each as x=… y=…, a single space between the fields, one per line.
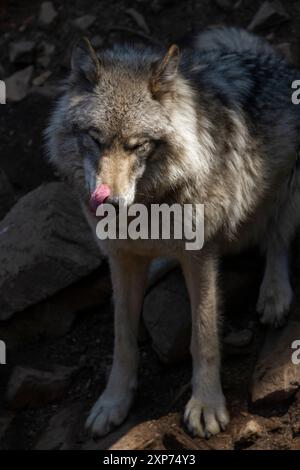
x=155 y=420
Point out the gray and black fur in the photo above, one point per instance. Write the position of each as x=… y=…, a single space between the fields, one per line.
x=214 y=124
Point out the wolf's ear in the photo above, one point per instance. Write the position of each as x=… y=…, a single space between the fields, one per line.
x=163 y=73
x=84 y=61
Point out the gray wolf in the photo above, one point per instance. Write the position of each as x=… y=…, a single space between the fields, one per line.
x=212 y=124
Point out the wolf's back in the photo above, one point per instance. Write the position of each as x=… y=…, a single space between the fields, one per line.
x=246 y=71
x=231 y=40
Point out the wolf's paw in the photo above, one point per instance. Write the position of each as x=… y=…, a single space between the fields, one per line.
x=274 y=303
x=206 y=419
x=107 y=413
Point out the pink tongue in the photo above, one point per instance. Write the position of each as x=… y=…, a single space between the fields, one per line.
x=99 y=196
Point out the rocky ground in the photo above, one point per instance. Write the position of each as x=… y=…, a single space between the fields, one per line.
x=55 y=310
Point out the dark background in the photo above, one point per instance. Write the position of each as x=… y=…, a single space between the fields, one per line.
x=87 y=341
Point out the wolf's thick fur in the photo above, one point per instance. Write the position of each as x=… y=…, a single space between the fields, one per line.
x=214 y=125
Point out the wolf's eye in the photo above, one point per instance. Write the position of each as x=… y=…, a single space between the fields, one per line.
x=142 y=149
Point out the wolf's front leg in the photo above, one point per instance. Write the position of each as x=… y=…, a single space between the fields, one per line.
x=205 y=413
x=129 y=277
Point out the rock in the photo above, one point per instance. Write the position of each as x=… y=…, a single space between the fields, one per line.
x=58 y=434
x=285 y=50
x=274 y=425
x=158 y=5
x=276 y=378
x=165 y=433
x=167 y=318
x=7 y=196
x=5 y=421
x=17 y=85
x=248 y=433
x=45 y=246
x=32 y=388
x=239 y=339
x=270 y=37
x=21 y=51
x=139 y=19
x=44 y=61
x=297 y=397
x=296 y=428
x=113 y=437
x=46 y=50
x=270 y=14
x=226 y=4
x=47 y=13
x=46 y=91
x=141 y=436
x=54 y=317
x=295 y=445
x=41 y=79
x=84 y=22
x=97 y=41
x=159 y=269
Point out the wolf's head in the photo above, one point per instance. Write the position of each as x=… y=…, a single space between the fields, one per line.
x=124 y=125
